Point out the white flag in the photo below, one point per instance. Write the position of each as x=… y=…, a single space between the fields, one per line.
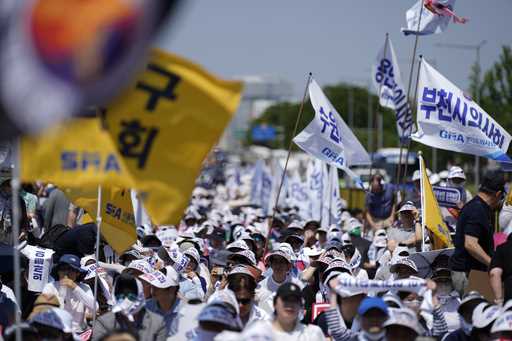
x=435 y=17
x=390 y=88
x=335 y=205
x=449 y=119
x=298 y=194
x=326 y=190
x=327 y=137
x=277 y=174
x=314 y=175
x=261 y=186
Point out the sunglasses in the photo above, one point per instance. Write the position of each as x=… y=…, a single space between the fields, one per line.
x=244 y=301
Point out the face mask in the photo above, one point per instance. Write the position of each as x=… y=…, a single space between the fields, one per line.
x=356 y=232
x=444 y=288
x=414 y=305
x=466 y=327
x=374 y=336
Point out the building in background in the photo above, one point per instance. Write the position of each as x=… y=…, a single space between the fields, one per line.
x=260 y=92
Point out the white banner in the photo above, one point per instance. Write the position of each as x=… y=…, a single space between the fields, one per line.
x=39 y=266
x=449 y=119
x=315 y=179
x=435 y=17
x=327 y=137
x=261 y=186
x=332 y=199
x=298 y=194
x=390 y=89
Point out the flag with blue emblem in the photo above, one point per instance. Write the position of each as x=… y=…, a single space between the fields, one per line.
x=449 y=119
x=387 y=80
x=327 y=137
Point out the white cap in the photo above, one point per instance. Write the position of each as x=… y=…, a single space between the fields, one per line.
x=312 y=251
x=346 y=240
x=237 y=244
x=407 y=206
x=503 y=323
x=404 y=317
x=159 y=280
x=141 y=265
x=354 y=223
x=193 y=253
x=484 y=314
x=247 y=254
x=456 y=172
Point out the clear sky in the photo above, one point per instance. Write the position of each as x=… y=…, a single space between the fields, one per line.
x=337 y=40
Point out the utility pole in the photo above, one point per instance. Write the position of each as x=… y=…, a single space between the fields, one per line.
x=476 y=48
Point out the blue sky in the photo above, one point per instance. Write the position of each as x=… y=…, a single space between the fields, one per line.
x=337 y=40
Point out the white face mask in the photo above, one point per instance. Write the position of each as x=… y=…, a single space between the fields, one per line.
x=413 y=305
x=374 y=336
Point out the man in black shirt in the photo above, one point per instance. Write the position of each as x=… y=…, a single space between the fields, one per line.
x=501 y=272
x=474 y=243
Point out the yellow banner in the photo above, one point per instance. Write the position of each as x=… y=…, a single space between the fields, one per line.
x=118 y=221
x=78 y=153
x=431 y=214
x=166 y=125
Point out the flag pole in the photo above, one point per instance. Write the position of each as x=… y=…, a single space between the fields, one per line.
x=97 y=255
x=16 y=222
x=415 y=98
x=299 y=115
x=370 y=104
x=416 y=40
x=422 y=167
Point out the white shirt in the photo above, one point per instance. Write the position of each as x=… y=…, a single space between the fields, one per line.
x=266 y=290
x=301 y=332
x=75 y=301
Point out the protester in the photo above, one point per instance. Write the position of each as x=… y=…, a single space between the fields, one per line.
x=222 y=274
x=129 y=313
x=286 y=324
x=380 y=203
x=164 y=301
x=407 y=230
x=74 y=297
x=474 y=243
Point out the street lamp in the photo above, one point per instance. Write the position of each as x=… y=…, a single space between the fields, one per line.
x=476 y=48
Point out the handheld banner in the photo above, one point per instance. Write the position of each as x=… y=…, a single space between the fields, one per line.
x=39 y=266
x=448 y=196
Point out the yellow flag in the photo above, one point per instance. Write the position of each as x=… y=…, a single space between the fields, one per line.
x=118 y=221
x=431 y=214
x=78 y=153
x=166 y=125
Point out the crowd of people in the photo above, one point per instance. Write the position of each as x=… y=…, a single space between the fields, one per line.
x=231 y=272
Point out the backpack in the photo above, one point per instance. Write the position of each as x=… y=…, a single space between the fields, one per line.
x=49 y=237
